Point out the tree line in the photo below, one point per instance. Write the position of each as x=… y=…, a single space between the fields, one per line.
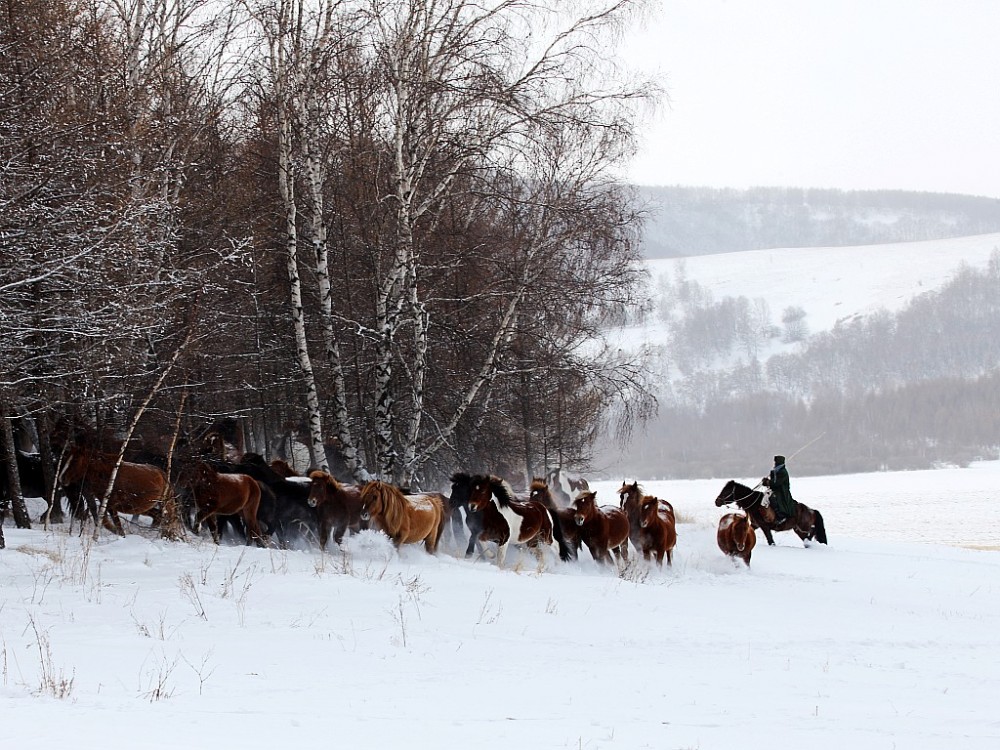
x=385 y=227
x=698 y=221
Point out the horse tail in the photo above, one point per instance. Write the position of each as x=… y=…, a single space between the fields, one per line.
x=820 y=528
x=565 y=553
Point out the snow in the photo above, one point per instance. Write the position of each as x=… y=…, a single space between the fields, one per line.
x=830 y=283
x=886 y=638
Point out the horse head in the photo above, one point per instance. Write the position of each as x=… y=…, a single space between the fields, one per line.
x=371 y=500
x=584 y=507
x=480 y=492
x=728 y=494
x=629 y=492
x=321 y=486
x=539 y=490
x=648 y=509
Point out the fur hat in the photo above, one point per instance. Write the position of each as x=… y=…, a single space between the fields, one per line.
x=779 y=460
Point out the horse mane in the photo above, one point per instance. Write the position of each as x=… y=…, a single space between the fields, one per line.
x=460 y=477
x=592 y=496
x=393 y=504
x=503 y=492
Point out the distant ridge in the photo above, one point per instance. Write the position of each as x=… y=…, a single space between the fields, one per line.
x=685 y=221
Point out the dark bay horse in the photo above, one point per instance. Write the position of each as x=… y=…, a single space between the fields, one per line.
x=138 y=487
x=601 y=528
x=338 y=507
x=461 y=489
x=806 y=522
x=219 y=494
x=657 y=529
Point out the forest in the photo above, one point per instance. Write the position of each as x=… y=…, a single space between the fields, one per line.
x=889 y=391
x=384 y=229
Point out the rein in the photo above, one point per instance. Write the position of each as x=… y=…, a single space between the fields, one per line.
x=749 y=494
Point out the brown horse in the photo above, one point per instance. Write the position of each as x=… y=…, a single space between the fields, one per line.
x=657 y=529
x=736 y=536
x=338 y=507
x=138 y=487
x=406 y=519
x=216 y=494
x=529 y=521
x=806 y=522
x=564 y=518
x=601 y=528
x=493 y=525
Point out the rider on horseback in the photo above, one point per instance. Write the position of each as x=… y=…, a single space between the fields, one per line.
x=781 y=491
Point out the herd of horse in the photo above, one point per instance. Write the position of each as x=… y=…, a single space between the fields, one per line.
x=268 y=503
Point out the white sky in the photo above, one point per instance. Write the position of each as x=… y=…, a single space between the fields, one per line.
x=850 y=94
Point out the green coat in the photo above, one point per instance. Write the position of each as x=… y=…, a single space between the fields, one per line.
x=781 y=491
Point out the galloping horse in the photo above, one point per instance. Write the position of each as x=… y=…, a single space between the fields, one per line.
x=806 y=522
x=736 y=537
x=406 y=519
x=138 y=487
x=217 y=494
x=563 y=517
x=338 y=507
x=529 y=521
x=461 y=488
x=657 y=529
x=601 y=528
x=631 y=500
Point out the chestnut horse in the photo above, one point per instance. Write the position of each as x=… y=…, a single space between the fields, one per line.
x=217 y=494
x=601 y=528
x=805 y=522
x=564 y=518
x=138 y=487
x=406 y=519
x=736 y=536
x=657 y=529
x=338 y=507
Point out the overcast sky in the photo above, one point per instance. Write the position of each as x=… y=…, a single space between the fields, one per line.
x=851 y=94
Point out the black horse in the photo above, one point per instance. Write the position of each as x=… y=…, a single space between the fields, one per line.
x=461 y=490
x=805 y=522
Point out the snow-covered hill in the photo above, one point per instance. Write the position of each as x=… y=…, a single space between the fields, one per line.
x=829 y=283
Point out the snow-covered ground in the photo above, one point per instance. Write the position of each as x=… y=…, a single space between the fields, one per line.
x=829 y=283
x=879 y=640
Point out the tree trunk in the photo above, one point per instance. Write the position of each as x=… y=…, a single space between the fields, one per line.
x=18 y=508
x=54 y=513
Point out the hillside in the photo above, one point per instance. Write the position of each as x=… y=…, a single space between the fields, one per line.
x=685 y=221
x=889 y=352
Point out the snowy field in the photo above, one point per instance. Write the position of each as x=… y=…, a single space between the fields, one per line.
x=881 y=640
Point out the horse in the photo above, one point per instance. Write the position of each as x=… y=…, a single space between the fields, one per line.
x=601 y=528
x=406 y=519
x=530 y=521
x=285 y=505
x=219 y=494
x=736 y=536
x=631 y=499
x=490 y=523
x=461 y=487
x=563 y=517
x=138 y=488
x=657 y=529
x=283 y=468
x=805 y=522
x=564 y=485
x=338 y=507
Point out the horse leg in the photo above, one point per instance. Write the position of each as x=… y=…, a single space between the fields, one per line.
x=767 y=534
